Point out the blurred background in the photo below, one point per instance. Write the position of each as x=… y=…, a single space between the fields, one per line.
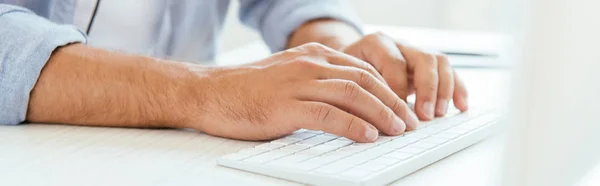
x=478 y=15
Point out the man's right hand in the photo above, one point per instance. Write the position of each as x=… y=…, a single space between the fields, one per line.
x=294 y=89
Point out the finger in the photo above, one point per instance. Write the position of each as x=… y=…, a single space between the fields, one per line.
x=376 y=88
x=426 y=79
x=351 y=97
x=325 y=117
x=396 y=75
x=382 y=52
x=461 y=95
x=446 y=85
x=320 y=53
x=339 y=58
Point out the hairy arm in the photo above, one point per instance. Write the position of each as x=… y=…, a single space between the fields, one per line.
x=87 y=86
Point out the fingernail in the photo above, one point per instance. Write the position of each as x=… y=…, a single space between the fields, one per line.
x=427 y=108
x=412 y=121
x=442 y=107
x=398 y=126
x=371 y=134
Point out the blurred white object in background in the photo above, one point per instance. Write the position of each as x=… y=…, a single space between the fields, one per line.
x=556 y=110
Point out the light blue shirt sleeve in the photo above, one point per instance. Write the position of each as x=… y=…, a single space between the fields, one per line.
x=278 y=19
x=26 y=43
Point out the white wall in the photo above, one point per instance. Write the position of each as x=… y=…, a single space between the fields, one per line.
x=485 y=15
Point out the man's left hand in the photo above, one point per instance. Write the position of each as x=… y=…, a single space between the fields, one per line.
x=410 y=70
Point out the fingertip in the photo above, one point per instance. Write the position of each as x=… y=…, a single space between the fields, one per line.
x=425 y=110
x=371 y=134
x=398 y=127
x=442 y=107
x=461 y=104
x=411 y=122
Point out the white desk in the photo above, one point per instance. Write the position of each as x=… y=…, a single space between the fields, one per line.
x=37 y=154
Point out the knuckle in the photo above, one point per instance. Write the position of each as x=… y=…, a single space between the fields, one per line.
x=386 y=116
x=396 y=105
x=365 y=78
x=321 y=112
x=428 y=58
x=442 y=60
x=351 y=90
x=442 y=57
x=430 y=87
x=351 y=123
x=368 y=67
x=315 y=47
x=306 y=64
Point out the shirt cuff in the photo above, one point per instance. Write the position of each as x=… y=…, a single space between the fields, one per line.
x=284 y=20
x=26 y=43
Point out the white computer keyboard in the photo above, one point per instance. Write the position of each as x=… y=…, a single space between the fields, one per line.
x=317 y=158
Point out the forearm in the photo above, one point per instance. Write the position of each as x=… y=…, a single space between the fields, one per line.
x=87 y=86
x=332 y=33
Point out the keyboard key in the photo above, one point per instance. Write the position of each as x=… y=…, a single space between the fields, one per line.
x=373 y=152
x=429 y=131
x=398 y=155
x=424 y=145
x=333 y=168
x=253 y=151
x=345 y=139
x=317 y=140
x=364 y=145
x=411 y=150
x=381 y=139
x=286 y=141
x=339 y=152
x=236 y=156
x=387 y=160
x=294 y=158
x=407 y=139
x=330 y=135
x=371 y=167
x=396 y=144
x=318 y=150
x=268 y=156
x=446 y=135
x=324 y=159
x=435 y=140
x=314 y=131
x=352 y=149
x=338 y=143
x=458 y=131
x=269 y=146
x=306 y=166
x=415 y=135
x=352 y=161
x=295 y=147
x=302 y=135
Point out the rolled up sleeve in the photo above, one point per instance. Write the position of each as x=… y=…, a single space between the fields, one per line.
x=26 y=43
x=276 y=20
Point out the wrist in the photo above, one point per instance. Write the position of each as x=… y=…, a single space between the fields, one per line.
x=175 y=93
x=189 y=88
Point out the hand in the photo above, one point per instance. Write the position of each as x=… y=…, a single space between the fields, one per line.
x=296 y=88
x=407 y=70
